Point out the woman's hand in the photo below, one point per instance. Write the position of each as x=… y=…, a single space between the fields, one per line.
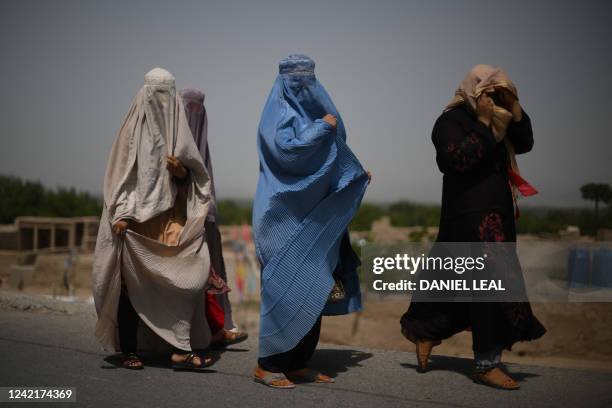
x=369 y=173
x=331 y=119
x=119 y=227
x=175 y=167
x=510 y=103
x=485 y=109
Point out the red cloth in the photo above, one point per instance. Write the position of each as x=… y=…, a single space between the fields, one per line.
x=521 y=184
x=523 y=187
x=214 y=314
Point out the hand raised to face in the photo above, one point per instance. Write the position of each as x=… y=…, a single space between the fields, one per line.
x=485 y=107
x=331 y=119
x=509 y=102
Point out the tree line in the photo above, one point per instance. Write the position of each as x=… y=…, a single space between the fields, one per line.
x=21 y=197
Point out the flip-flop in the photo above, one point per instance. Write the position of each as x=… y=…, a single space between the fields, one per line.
x=312 y=376
x=188 y=364
x=272 y=380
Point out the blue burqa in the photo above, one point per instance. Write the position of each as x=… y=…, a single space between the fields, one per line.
x=310 y=186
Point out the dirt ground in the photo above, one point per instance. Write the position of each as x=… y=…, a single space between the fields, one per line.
x=579 y=335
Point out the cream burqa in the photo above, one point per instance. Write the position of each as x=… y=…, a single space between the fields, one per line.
x=160 y=258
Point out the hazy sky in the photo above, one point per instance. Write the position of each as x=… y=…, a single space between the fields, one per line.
x=69 y=70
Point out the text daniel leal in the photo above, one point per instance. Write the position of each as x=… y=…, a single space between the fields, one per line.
x=446 y=284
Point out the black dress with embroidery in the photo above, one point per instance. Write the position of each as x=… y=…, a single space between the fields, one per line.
x=477 y=206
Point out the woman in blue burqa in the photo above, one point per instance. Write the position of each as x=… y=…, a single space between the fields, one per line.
x=310 y=187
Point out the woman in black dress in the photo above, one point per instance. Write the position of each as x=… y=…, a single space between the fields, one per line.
x=476 y=139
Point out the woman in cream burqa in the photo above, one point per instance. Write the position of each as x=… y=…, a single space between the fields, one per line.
x=476 y=140
x=149 y=264
x=310 y=186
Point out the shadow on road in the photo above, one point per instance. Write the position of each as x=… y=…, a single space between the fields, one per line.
x=464 y=366
x=162 y=359
x=333 y=361
x=158 y=360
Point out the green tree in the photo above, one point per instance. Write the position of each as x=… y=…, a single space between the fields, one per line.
x=366 y=215
x=19 y=197
x=232 y=213
x=409 y=214
x=597 y=192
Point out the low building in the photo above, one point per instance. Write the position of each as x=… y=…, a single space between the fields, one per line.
x=53 y=233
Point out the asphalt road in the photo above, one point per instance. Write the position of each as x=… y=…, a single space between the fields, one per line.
x=45 y=348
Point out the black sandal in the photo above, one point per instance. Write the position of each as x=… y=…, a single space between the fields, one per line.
x=189 y=365
x=131 y=361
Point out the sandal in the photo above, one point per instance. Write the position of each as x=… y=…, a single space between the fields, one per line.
x=423 y=351
x=189 y=365
x=496 y=378
x=308 y=375
x=131 y=361
x=273 y=380
x=233 y=338
x=337 y=293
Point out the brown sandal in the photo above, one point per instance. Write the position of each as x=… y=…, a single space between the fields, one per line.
x=229 y=338
x=496 y=378
x=131 y=361
x=273 y=380
x=308 y=375
x=423 y=351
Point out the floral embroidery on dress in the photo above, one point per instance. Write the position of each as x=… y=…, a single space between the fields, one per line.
x=465 y=155
x=491 y=228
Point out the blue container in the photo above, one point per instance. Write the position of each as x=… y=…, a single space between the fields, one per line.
x=602 y=268
x=578 y=267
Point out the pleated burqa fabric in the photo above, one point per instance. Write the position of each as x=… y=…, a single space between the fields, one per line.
x=193 y=100
x=165 y=272
x=310 y=186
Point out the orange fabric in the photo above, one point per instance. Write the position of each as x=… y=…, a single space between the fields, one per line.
x=167 y=226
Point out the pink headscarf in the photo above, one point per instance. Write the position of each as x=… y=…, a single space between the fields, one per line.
x=485 y=78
